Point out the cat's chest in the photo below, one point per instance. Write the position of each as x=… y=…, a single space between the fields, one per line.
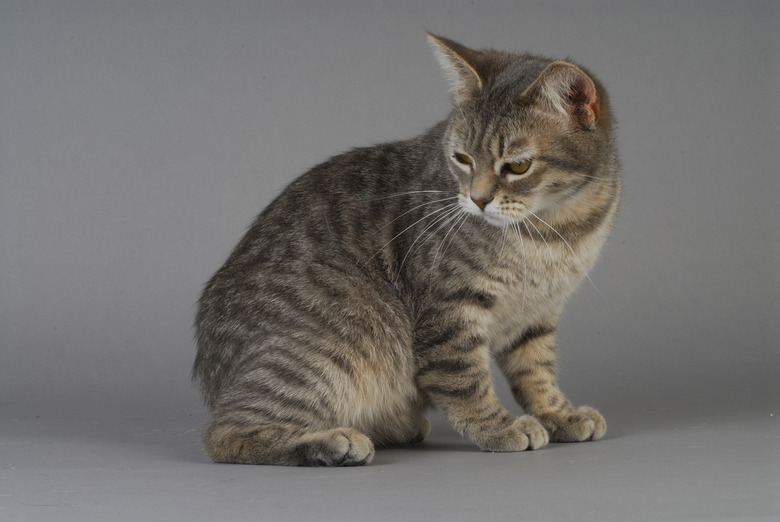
x=529 y=290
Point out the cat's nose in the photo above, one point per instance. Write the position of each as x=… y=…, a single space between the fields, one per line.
x=481 y=202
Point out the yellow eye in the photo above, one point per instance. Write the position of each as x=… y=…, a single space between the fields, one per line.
x=463 y=159
x=520 y=167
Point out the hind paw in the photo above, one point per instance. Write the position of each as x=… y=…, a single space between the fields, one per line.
x=425 y=429
x=339 y=447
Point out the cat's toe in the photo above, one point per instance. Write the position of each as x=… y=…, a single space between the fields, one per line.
x=599 y=424
x=424 y=430
x=579 y=425
x=341 y=447
x=525 y=433
x=538 y=437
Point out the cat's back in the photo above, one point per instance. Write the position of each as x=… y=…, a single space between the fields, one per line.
x=339 y=204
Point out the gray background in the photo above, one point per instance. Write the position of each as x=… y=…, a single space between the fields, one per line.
x=139 y=139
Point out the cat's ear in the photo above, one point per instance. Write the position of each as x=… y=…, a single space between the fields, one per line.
x=460 y=63
x=565 y=89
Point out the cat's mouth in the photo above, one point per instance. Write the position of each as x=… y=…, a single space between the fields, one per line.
x=497 y=220
x=486 y=212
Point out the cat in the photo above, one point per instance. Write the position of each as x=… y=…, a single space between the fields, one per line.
x=381 y=282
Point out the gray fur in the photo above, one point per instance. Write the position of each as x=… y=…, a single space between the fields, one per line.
x=375 y=287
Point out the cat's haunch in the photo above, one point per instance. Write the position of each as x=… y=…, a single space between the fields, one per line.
x=383 y=281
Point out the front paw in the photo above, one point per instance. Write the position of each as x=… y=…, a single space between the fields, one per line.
x=578 y=425
x=524 y=433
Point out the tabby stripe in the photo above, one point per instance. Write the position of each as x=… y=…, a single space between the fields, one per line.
x=328 y=291
x=287 y=375
x=445 y=366
x=302 y=307
x=572 y=231
x=472 y=296
x=560 y=404
x=482 y=140
x=469 y=344
x=318 y=375
x=523 y=373
x=484 y=420
x=561 y=164
x=285 y=400
x=336 y=358
x=440 y=337
x=591 y=223
x=246 y=415
x=548 y=364
x=473 y=260
x=532 y=333
x=583 y=182
x=278 y=312
x=290 y=376
x=272 y=415
x=472 y=391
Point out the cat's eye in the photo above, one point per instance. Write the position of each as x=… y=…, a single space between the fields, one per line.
x=517 y=167
x=463 y=159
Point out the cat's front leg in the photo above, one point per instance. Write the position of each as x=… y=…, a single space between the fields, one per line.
x=455 y=375
x=529 y=364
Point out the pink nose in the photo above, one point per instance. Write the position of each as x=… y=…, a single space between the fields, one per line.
x=481 y=203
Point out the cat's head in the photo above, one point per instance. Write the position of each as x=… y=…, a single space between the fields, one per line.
x=527 y=134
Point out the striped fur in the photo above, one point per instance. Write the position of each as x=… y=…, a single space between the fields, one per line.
x=383 y=281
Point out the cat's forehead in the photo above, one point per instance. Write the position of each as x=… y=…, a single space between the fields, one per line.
x=514 y=145
x=496 y=110
x=510 y=133
x=503 y=101
x=520 y=73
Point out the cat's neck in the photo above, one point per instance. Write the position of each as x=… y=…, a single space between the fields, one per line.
x=591 y=211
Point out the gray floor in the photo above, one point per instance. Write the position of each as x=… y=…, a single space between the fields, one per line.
x=657 y=464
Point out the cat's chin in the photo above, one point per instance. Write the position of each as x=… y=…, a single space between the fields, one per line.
x=496 y=221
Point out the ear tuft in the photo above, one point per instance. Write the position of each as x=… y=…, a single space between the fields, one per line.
x=564 y=88
x=458 y=63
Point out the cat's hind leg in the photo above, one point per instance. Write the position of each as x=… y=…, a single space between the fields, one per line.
x=423 y=431
x=410 y=427
x=231 y=440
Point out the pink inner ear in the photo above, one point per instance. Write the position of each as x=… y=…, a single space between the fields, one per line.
x=584 y=94
x=594 y=107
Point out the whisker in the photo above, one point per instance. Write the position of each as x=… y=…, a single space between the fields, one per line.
x=549 y=250
x=448 y=218
x=442 y=221
x=531 y=236
x=446 y=207
x=576 y=257
x=462 y=219
x=574 y=194
x=453 y=222
x=399 y=194
x=516 y=226
x=415 y=208
x=465 y=219
x=430 y=225
x=503 y=240
x=580 y=174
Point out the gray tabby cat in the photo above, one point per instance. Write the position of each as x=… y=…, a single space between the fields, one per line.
x=382 y=282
